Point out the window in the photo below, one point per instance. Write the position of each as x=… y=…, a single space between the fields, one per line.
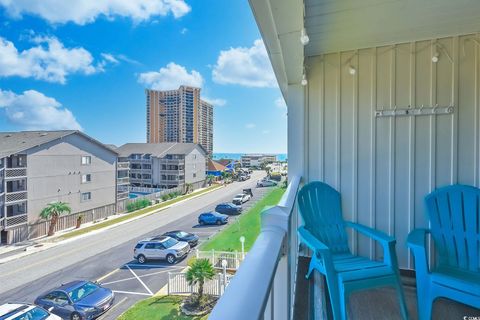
x=86 y=178
x=150 y=246
x=86 y=160
x=194 y=175
x=33 y=314
x=86 y=196
x=57 y=297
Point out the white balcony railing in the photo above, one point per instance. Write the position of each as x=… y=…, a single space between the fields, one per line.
x=122 y=195
x=16 y=220
x=263 y=287
x=14 y=173
x=125 y=180
x=15 y=196
x=123 y=165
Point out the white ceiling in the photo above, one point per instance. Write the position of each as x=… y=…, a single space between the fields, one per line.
x=338 y=25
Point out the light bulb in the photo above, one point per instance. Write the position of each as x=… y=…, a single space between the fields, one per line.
x=435 y=57
x=304 y=39
x=304 y=81
x=352 y=70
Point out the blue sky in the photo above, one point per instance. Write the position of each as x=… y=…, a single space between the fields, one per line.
x=85 y=65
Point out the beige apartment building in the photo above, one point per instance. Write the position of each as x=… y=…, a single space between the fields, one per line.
x=164 y=165
x=40 y=167
x=179 y=116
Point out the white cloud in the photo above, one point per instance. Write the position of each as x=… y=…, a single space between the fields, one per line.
x=217 y=102
x=32 y=110
x=171 y=77
x=266 y=131
x=109 y=58
x=280 y=103
x=250 y=125
x=248 y=67
x=86 y=11
x=49 y=60
x=184 y=31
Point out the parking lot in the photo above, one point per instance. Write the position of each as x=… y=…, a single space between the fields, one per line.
x=132 y=281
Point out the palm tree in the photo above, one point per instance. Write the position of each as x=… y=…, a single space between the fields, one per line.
x=199 y=271
x=52 y=211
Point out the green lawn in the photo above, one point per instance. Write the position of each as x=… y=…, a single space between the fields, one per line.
x=248 y=225
x=127 y=216
x=158 y=308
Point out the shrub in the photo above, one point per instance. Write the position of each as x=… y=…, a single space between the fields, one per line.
x=138 y=204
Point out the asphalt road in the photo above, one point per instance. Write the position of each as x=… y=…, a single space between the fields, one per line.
x=108 y=255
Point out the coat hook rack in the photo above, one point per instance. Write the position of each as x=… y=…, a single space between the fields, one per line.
x=415 y=111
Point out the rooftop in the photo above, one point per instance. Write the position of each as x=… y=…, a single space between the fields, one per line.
x=17 y=142
x=158 y=149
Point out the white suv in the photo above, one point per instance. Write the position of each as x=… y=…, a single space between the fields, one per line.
x=241 y=198
x=17 y=311
x=160 y=248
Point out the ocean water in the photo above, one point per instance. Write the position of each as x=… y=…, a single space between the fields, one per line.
x=237 y=156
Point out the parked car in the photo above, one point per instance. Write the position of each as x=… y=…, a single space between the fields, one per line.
x=248 y=191
x=212 y=218
x=191 y=238
x=77 y=300
x=228 y=208
x=241 y=198
x=266 y=183
x=160 y=248
x=20 y=311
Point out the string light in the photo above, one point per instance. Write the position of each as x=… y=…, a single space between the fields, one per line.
x=304 y=39
x=352 y=70
x=435 y=57
x=304 y=81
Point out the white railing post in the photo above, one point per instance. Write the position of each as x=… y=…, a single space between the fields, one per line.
x=168 y=284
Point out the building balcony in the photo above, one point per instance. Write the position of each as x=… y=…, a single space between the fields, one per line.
x=122 y=195
x=16 y=220
x=15 y=197
x=123 y=181
x=123 y=165
x=15 y=173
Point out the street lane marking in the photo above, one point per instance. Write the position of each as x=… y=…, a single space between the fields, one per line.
x=132 y=278
x=107 y=275
x=113 y=307
x=149 y=291
x=137 y=293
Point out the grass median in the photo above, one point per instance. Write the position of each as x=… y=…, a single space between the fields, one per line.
x=127 y=216
x=248 y=225
x=158 y=308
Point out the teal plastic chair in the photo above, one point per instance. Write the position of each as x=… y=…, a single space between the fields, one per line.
x=454 y=227
x=324 y=233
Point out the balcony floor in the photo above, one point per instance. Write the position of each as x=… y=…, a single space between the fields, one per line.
x=377 y=303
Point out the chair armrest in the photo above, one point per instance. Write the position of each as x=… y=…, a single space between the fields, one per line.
x=416 y=241
x=416 y=238
x=387 y=242
x=312 y=242
x=372 y=233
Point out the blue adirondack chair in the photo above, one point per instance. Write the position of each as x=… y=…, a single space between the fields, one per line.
x=455 y=221
x=324 y=233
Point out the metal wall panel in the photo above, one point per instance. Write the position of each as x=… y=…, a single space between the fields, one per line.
x=384 y=166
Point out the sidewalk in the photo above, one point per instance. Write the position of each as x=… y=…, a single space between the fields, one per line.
x=21 y=249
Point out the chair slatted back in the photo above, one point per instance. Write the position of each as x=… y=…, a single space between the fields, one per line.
x=455 y=223
x=321 y=209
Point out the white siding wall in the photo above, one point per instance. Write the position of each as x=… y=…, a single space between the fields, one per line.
x=384 y=167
